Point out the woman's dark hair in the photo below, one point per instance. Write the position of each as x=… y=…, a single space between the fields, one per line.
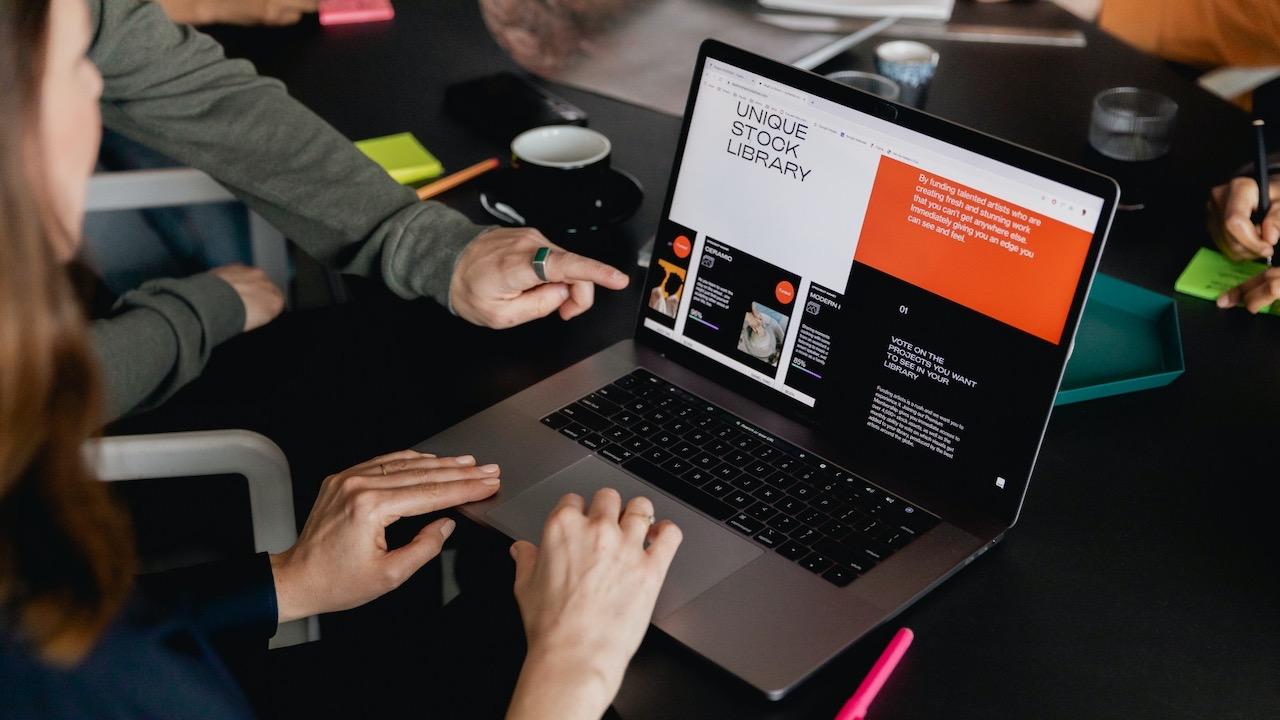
x=66 y=560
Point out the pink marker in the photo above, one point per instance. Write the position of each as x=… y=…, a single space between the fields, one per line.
x=856 y=707
x=345 y=12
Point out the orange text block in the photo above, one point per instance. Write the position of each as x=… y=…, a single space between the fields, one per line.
x=1000 y=259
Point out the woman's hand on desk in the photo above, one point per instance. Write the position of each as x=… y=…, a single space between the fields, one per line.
x=1231 y=223
x=586 y=596
x=238 y=12
x=341 y=559
x=494 y=284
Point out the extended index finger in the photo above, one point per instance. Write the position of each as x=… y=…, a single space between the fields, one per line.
x=420 y=475
x=423 y=463
x=564 y=266
x=428 y=497
x=390 y=460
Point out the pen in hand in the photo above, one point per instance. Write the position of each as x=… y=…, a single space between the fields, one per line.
x=1264 y=183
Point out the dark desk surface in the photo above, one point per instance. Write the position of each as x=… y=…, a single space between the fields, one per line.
x=1142 y=579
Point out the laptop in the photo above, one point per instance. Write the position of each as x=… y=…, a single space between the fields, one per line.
x=853 y=327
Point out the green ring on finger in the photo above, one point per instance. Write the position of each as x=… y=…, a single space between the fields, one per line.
x=540 y=262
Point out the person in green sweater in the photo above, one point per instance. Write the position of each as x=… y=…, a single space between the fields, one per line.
x=80 y=638
x=172 y=89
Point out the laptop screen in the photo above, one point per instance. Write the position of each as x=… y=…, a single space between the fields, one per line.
x=910 y=293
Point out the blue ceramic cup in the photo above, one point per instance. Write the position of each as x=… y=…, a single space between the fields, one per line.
x=911 y=64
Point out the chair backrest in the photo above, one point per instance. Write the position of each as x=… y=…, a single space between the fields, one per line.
x=219 y=452
x=168 y=187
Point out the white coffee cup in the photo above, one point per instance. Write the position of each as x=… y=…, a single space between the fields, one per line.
x=561 y=147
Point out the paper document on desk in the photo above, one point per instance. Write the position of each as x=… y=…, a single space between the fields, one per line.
x=647 y=56
x=1209 y=274
x=925 y=9
x=930 y=30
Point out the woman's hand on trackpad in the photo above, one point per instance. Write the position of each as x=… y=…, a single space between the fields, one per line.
x=586 y=596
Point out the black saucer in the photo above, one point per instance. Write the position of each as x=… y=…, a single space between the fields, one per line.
x=619 y=195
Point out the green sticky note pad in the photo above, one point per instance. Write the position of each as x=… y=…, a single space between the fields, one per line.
x=403 y=157
x=1210 y=274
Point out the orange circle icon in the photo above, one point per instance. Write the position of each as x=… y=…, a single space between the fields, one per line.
x=785 y=292
x=682 y=247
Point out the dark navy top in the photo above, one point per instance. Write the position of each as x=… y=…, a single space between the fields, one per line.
x=156 y=659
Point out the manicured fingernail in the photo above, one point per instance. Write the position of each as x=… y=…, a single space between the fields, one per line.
x=465 y=460
x=448 y=527
x=489 y=469
x=564 y=292
x=512 y=552
x=491 y=481
x=1222 y=301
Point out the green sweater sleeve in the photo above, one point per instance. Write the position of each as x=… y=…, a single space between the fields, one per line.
x=158 y=339
x=172 y=89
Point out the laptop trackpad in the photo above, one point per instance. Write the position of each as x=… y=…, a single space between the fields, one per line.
x=709 y=553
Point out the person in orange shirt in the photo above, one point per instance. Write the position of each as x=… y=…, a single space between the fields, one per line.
x=1206 y=34
x=1203 y=33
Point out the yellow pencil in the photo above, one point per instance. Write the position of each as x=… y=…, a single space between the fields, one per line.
x=450 y=182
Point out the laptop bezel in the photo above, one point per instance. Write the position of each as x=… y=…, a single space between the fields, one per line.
x=975 y=141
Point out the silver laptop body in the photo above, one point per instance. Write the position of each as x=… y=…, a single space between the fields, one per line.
x=732 y=595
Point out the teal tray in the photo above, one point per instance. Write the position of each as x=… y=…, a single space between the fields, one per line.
x=1128 y=341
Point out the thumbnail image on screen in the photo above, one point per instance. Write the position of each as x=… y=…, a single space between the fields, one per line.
x=763 y=332
x=665 y=286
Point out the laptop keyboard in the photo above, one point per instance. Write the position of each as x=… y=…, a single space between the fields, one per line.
x=806 y=509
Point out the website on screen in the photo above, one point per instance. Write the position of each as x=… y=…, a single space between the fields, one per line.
x=806 y=237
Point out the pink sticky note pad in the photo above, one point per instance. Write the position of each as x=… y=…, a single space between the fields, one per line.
x=346 y=12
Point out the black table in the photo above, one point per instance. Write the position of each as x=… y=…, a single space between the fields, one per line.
x=1141 y=580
